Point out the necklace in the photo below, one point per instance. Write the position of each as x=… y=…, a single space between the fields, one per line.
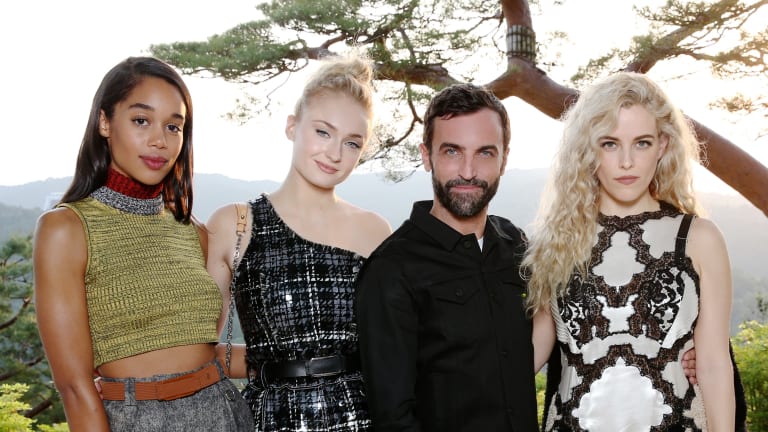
x=128 y=195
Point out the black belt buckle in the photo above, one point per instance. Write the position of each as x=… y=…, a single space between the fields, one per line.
x=314 y=367
x=325 y=366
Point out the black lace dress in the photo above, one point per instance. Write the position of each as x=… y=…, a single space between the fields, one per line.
x=624 y=329
x=295 y=299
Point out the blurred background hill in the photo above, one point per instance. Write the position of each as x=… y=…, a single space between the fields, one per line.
x=744 y=226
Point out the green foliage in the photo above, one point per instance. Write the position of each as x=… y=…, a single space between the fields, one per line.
x=22 y=359
x=750 y=347
x=435 y=43
x=393 y=32
x=718 y=32
x=246 y=49
x=316 y=16
x=413 y=43
x=11 y=407
x=541 y=387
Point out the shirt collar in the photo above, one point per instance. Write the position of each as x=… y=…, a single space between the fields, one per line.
x=443 y=234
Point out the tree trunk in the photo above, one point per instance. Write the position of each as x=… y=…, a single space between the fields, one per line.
x=37 y=409
x=734 y=166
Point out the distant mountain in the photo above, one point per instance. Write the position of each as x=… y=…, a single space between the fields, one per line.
x=33 y=195
x=744 y=227
x=16 y=221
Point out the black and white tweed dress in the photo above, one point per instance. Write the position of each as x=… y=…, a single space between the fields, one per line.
x=295 y=301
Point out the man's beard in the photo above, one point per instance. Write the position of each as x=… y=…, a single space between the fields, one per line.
x=464 y=205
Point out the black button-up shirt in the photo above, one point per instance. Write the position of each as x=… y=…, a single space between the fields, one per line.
x=445 y=342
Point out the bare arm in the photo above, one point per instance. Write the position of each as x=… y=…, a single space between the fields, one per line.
x=714 y=370
x=221 y=229
x=222 y=238
x=238 y=368
x=543 y=337
x=60 y=257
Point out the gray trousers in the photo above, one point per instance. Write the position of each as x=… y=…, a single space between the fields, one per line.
x=218 y=407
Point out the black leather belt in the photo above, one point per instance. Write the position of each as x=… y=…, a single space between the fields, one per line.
x=314 y=367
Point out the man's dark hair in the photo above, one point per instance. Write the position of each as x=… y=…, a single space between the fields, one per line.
x=459 y=99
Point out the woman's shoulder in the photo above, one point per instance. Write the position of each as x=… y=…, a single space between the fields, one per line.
x=706 y=244
x=222 y=230
x=59 y=229
x=59 y=221
x=228 y=215
x=370 y=227
x=705 y=231
x=368 y=219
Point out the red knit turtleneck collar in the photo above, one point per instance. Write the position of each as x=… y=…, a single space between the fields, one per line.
x=130 y=187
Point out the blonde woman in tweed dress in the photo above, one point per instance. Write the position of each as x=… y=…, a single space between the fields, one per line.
x=302 y=249
x=120 y=280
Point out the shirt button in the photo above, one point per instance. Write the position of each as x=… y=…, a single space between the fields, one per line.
x=459 y=292
x=504 y=353
x=467 y=244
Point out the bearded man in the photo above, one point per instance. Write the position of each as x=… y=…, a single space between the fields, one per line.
x=444 y=337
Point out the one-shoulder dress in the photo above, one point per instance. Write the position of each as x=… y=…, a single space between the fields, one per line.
x=294 y=300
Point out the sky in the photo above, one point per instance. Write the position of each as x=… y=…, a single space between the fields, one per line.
x=55 y=54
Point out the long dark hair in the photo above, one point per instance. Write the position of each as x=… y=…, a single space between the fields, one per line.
x=94 y=158
x=459 y=99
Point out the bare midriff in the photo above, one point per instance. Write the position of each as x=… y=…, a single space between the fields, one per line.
x=160 y=362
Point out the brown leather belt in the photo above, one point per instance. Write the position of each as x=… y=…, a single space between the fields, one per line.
x=169 y=389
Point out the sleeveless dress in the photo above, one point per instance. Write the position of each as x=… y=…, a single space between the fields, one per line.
x=623 y=331
x=295 y=300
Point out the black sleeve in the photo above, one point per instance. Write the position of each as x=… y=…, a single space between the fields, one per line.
x=741 y=401
x=387 y=326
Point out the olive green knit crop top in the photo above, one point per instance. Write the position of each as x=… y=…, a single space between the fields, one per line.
x=146 y=283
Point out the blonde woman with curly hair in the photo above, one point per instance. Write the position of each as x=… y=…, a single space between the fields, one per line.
x=629 y=273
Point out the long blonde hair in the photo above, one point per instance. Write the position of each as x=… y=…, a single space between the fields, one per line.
x=565 y=228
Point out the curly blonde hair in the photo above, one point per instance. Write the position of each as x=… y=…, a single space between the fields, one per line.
x=565 y=228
